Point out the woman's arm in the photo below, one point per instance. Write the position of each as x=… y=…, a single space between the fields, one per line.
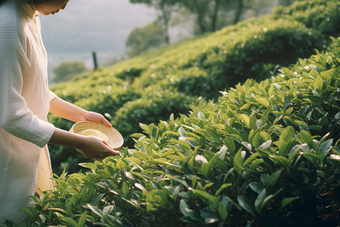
x=74 y=113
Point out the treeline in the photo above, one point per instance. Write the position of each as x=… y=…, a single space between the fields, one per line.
x=202 y=15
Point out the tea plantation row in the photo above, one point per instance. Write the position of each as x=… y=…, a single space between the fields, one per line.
x=149 y=88
x=265 y=154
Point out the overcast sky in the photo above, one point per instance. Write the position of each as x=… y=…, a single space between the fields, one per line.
x=92 y=25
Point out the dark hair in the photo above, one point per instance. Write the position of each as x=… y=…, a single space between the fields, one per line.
x=28 y=1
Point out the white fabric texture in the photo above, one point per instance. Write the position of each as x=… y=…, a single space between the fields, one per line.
x=24 y=105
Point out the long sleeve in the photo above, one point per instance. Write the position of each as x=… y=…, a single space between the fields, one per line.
x=15 y=116
x=51 y=96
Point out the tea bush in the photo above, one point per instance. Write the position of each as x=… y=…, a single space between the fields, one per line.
x=203 y=66
x=265 y=154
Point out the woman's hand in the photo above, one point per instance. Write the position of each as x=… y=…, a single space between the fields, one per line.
x=96 y=117
x=96 y=148
x=90 y=146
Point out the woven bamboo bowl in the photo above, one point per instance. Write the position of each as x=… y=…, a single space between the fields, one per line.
x=115 y=139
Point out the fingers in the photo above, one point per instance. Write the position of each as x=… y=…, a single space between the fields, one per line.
x=113 y=152
x=92 y=116
x=106 y=123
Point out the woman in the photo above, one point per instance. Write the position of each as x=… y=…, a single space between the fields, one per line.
x=25 y=101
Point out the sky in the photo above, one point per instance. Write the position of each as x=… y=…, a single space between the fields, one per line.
x=86 y=26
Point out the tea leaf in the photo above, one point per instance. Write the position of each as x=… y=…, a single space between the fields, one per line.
x=288 y=200
x=222 y=211
x=238 y=162
x=82 y=219
x=70 y=221
x=139 y=186
x=96 y=199
x=246 y=204
x=221 y=188
x=94 y=210
x=256 y=187
x=273 y=178
x=259 y=201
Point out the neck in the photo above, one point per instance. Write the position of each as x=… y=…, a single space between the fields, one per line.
x=33 y=7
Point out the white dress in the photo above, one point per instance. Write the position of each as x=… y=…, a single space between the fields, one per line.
x=24 y=105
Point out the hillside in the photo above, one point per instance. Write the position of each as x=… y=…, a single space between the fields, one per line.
x=167 y=81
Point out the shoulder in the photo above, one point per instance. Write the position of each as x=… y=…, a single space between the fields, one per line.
x=9 y=13
x=9 y=18
x=12 y=22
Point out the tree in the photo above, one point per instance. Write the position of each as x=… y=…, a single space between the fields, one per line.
x=66 y=70
x=238 y=11
x=286 y=2
x=145 y=38
x=166 y=8
x=207 y=11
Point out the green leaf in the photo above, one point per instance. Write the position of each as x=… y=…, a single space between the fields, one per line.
x=26 y=211
x=246 y=204
x=268 y=199
x=96 y=199
x=223 y=186
x=222 y=211
x=183 y=206
x=265 y=145
x=254 y=165
x=137 y=135
x=273 y=178
x=287 y=134
x=259 y=201
x=229 y=142
x=306 y=137
x=191 y=162
x=213 y=134
x=326 y=146
x=289 y=111
x=129 y=175
x=256 y=141
x=70 y=221
x=182 y=132
x=321 y=174
x=101 y=224
x=250 y=158
x=187 y=212
x=95 y=210
x=209 y=165
x=288 y=200
x=303 y=110
x=82 y=219
x=263 y=101
x=245 y=119
x=212 y=201
x=264 y=177
x=318 y=84
x=238 y=163
x=88 y=165
x=258 y=188
x=139 y=186
x=141 y=155
x=247 y=145
x=57 y=209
